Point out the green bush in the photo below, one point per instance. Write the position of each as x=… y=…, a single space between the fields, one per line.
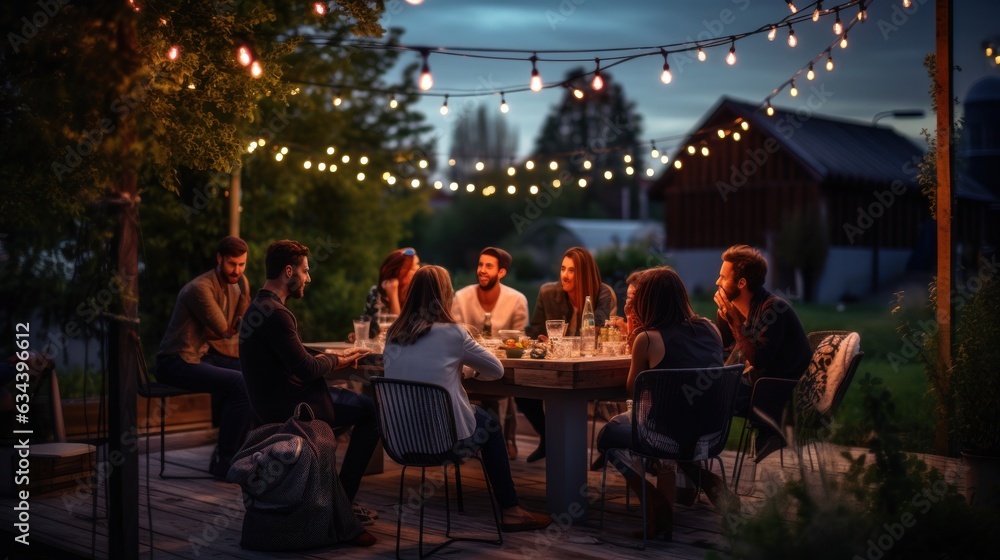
x=975 y=375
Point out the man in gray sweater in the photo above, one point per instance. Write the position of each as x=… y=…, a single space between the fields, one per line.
x=199 y=351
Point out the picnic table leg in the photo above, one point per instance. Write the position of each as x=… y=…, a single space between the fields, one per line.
x=566 y=456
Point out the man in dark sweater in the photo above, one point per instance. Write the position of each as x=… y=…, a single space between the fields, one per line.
x=280 y=373
x=762 y=328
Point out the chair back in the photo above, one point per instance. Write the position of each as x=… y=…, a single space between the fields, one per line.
x=835 y=360
x=144 y=386
x=816 y=337
x=684 y=414
x=416 y=421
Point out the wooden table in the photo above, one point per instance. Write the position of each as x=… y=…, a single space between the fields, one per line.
x=566 y=386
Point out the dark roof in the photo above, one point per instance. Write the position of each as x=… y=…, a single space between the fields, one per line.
x=833 y=151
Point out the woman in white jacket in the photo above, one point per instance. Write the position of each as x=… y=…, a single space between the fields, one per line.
x=426 y=344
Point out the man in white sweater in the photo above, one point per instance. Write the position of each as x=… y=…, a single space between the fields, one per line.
x=508 y=309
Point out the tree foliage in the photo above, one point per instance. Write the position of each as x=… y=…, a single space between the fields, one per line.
x=92 y=96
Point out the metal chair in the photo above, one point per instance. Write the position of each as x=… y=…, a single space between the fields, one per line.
x=680 y=415
x=771 y=394
x=417 y=426
x=150 y=390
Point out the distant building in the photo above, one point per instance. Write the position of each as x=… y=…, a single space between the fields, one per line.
x=834 y=204
x=978 y=177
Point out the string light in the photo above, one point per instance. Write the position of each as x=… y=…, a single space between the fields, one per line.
x=553 y=165
x=810 y=75
x=677 y=164
x=792 y=41
x=791 y=7
x=818 y=11
x=664 y=159
x=480 y=166
x=731 y=57
x=704 y=151
x=598 y=82
x=701 y=55
x=908 y=3
x=989 y=50
x=829 y=61
x=608 y=175
x=770 y=110
x=536 y=79
x=665 y=77
x=444 y=106
x=319 y=8
x=721 y=133
x=307 y=164
x=503 y=104
x=772 y=33
x=255 y=69
x=586 y=164
x=337 y=99
x=426 y=80
x=794 y=91
x=175 y=52
x=243 y=55
x=745 y=126
x=578 y=93
x=691 y=150
x=838 y=26
x=654 y=153
x=529 y=165
x=843 y=41
x=330 y=150
x=392 y=102
x=862 y=11
x=736 y=136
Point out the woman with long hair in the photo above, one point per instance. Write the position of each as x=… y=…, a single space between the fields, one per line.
x=579 y=277
x=426 y=344
x=392 y=286
x=667 y=335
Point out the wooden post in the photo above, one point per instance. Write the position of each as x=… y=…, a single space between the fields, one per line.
x=944 y=96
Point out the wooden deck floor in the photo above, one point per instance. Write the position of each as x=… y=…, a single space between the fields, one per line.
x=202 y=518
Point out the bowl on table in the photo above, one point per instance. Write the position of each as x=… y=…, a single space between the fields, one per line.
x=513 y=352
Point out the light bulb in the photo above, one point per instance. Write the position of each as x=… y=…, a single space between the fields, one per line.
x=587 y=164
x=664 y=159
x=578 y=93
x=862 y=12
x=736 y=136
x=810 y=75
x=731 y=57
x=393 y=103
x=721 y=133
x=243 y=56
x=553 y=165
x=503 y=104
x=838 y=26
x=771 y=34
x=843 y=41
x=480 y=166
x=704 y=151
x=792 y=41
x=907 y=3
x=701 y=55
x=426 y=80
x=989 y=50
x=529 y=165
x=598 y=82
x=175 y=52
x=511 y=171
x=770 y=110
x=255 y=69
x=319 y=8
x=691 y=150
x=666 y=77
x=654 y=153
x=791 y=7
x=829 y=63
x=415 y=2
x=444 y=106
x=536 y=79
x=677 y=163
x=794 y=91
x=818 y=11
x=337 y=100
x=745 y=125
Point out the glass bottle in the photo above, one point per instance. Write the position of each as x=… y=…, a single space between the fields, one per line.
x=588 y=329
x=487 y=326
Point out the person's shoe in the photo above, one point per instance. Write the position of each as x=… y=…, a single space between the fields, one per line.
x=511 y=449
x=599 y=462
x=537 y=454
x=767 y=445
x=217 y=466
x=532 y=522
x=364 y=539
x=365 y=516
x=723 y=499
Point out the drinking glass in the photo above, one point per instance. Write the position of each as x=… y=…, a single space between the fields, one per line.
x=361 y=330
x=554 y=329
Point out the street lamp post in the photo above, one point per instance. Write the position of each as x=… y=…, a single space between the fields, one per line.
x=899 y=114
